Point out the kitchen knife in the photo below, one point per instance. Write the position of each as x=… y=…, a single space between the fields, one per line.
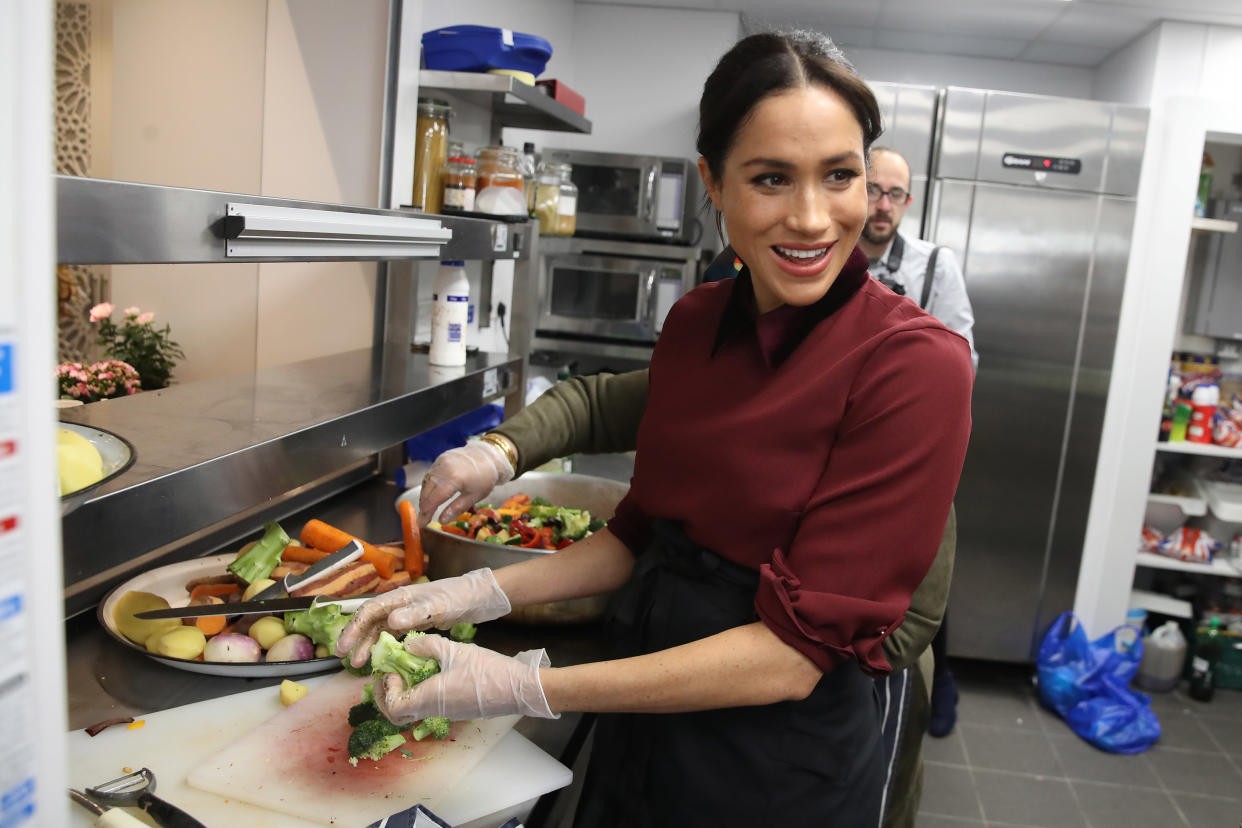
x=254 y=607
x=347 y=554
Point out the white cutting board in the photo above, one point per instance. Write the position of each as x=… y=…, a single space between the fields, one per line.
x=506 y=771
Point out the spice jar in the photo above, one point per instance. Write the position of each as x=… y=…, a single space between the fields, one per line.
x=548 y=197
x=499 y=182
x=430 y=152
x=567 y=205
x=459 y=184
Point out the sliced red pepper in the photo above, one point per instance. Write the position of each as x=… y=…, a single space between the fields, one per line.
x=564 y=542
x=548 y=536
x=453 y=530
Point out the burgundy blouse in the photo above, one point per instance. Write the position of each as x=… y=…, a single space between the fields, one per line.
x=820 y=446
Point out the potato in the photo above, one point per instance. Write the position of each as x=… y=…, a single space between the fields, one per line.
x=291 y=691
x=257 y=587
x=138 y=631
x=267 y=631
x=322 y=651
x=183 y=642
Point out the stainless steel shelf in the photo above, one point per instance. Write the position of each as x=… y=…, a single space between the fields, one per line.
x=119 y=222
x=220 y=456
x=513 y=103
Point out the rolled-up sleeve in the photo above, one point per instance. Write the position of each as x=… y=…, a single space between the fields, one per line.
x=872 y=525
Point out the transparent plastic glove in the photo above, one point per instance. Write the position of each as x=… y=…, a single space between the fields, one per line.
x=473 y=597
x=473 y=683
x=470 y=472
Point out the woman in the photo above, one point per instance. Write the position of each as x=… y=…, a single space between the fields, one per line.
x=803 y=437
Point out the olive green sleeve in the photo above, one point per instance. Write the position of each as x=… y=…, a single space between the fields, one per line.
x=927 y=604
x=591 y=414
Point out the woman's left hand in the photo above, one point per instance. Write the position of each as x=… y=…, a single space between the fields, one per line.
x=473 y=683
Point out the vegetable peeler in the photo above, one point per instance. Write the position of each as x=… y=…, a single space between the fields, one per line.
x=106 y=817
x=137 y=789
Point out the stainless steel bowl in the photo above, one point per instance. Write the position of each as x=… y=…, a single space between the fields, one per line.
x=449 y=555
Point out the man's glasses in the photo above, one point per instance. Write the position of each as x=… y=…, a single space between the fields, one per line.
x=897 y=194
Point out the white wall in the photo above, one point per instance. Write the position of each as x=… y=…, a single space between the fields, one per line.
x=978 y=73
x=1128 y=74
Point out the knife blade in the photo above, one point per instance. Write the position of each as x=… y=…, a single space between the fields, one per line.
x=347 y=554
x=254 y=607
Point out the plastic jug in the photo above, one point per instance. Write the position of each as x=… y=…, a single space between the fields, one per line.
x=1164 y=654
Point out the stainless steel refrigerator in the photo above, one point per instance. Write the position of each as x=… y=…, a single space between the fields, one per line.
x=1035 y=195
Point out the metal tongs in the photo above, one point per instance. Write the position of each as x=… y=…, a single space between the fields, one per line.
x=137 y=789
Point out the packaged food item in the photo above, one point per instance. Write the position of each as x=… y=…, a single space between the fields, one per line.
x=1203 y=402
x=548 y=197
x=1188 y=544
x=567 y=204
x=1182 y=409
x=499 y=182
x=430 y=153
x=459 y=184
x=1150 y=539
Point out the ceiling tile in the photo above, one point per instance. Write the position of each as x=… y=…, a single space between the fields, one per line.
x=1021 y=19
x=856 y=13
x=1065 y=54
x=1109 y=28
x=991 y=47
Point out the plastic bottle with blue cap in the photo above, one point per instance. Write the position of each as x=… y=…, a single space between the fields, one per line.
x=450 y=314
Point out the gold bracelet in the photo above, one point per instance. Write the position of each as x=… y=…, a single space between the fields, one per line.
x=506 y=446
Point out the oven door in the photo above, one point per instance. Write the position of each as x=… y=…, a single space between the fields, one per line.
x=608 y=297
x=617 y=193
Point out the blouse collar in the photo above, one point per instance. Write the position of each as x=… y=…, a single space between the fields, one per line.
x=780 y=331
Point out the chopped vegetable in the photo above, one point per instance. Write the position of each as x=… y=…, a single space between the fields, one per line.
x=135 y=725
x=436 y=726
x=259 y=560
x=413 y=540
x=291 y=691
x=463 y=631
x=373 y=739
x=188 y=643
x=213 y=590
x=525 y=522
x=320 y=535
x=257 y=587
x=233 y=648
x=267 y=631
x=136 y=630
x=388 y=655
x=100 y=727
x=321 y=623
x=295 y=647
x=303 y=554
x=364 y=711
x=209 y=624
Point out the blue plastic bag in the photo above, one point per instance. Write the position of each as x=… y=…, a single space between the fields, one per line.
x=1087 y=684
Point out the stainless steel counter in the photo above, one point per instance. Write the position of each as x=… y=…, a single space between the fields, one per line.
x=216 y=458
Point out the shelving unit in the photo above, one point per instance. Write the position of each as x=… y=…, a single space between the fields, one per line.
x=1188 y=506
x=1204 y=449
x=512 y=103
x=1216 y=567
x=1208 y=225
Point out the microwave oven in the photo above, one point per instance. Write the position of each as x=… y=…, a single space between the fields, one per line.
x=602 y=290
x=646 y=197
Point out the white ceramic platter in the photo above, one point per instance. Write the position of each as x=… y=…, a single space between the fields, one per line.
x=169 y=582
x=115 y=451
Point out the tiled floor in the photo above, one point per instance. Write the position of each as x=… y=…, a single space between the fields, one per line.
x=1010 y=762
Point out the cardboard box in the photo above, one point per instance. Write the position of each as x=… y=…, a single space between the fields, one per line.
x=558 y=91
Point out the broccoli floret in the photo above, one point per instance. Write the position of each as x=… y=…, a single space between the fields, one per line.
x=435 y=726
x=388 y=656
x=374 y=738
x=321 y=623
x=364 y=711
x=364 y=670
x=259 y=560
x=463 y=631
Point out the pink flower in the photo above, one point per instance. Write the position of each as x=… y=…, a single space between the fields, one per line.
x=145 y=318
x=101 y=311
x=132 y=311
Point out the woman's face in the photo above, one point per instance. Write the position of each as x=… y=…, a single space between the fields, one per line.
x=793 y=194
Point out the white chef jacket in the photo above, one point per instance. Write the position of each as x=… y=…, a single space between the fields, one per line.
x=948 y=301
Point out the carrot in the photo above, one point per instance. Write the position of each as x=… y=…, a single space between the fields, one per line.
x=302 y=554
x=211 y=624
x=213 y=589
x=320 y=535
x=413 y=540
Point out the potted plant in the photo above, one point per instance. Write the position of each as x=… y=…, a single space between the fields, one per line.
x=137 y=342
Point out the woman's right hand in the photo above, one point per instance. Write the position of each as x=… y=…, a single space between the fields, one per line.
x=474 y=597
x=470 y=472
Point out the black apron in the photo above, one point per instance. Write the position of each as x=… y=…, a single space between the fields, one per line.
x=815 y=762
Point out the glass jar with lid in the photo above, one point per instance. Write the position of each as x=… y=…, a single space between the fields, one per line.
x=548 y=196
x=430 y=152
x=459 y=184
x=499 y=182
x=567 y=204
